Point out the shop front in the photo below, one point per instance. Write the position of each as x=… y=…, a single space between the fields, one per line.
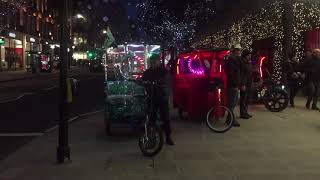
x=32 y=46
x=11 y=52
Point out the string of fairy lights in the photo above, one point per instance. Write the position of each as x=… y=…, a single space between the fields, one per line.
x=10 y=7
x=306 y=17
x=261 y=25
x=266 y=23
x=162 y=25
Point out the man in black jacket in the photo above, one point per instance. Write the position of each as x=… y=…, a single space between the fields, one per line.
x=246 y=83
x=156 y=72
x=312 y=70
x=294 y=78
x=232 y=68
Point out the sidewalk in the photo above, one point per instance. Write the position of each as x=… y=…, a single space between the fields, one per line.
x=6 y=76
x=277 y=146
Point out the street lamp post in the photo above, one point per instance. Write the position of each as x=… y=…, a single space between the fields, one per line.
x=63 y=150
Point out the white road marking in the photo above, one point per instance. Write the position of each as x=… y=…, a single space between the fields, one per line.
x=73 y=119
x=48 y=130
x=26 y=94
x=50 y=88
x=91 y=78
x=20 y=134
x=16 y=98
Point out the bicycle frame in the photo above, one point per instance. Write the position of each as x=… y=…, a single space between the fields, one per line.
x=149 y=110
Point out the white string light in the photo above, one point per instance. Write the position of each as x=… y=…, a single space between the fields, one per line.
x=261 y=25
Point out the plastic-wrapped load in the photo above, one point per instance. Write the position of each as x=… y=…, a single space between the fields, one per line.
x=124 y=102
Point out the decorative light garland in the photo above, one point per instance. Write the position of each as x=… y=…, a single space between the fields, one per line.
x=198 y=71
x=9 y=8
x=261 y=25
x=306 y=17
x=161 y=25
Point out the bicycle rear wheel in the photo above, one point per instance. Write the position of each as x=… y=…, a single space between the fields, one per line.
x=220 y=119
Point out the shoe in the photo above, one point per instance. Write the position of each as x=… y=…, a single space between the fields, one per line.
x=292 y=105
x=236 y=124
x=169 y=141
x=249 y=115
x=245 y=117
x=308 y=105
x=315 y=108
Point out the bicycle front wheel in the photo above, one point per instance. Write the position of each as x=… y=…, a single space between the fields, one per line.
x=151 y=142
x=220 y=119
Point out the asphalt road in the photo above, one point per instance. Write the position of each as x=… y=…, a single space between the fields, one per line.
x=40 y=111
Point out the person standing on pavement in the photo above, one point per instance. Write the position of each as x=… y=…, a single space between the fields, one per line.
x=294 y=78
x=246 y=72
x=308 y=57
x=158 y=73
x=232 y=69
x=312 y=70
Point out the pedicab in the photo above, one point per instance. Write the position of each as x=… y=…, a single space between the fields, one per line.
x=126 y=100
x=272 y=94
x=200 y=88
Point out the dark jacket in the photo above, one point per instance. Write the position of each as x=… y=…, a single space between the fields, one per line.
x=232 y=68
x=162 y=92
x=246 y=73
x=312 y=69
x=292 y=69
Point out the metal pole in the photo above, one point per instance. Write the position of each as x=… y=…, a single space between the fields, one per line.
x=70 y=17
x=14 y=52
x=63 y=150
x=0 y=58
x=10 y=55
x=163 y=56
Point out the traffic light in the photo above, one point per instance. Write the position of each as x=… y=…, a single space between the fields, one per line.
x=90 y=55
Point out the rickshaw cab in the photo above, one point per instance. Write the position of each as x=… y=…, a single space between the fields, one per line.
x=199 y=82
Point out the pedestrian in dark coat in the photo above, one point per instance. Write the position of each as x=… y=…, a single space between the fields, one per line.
x=232 y=69
x=312 y=70
x=294 y=78
x=246 y=83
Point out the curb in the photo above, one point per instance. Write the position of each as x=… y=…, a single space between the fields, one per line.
x=30 y=77
x=35 y=76
x=18 y=79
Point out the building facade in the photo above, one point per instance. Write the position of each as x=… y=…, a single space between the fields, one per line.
x=279 y=31
x=28 y=28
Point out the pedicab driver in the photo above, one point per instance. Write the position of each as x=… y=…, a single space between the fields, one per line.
x=161 y=95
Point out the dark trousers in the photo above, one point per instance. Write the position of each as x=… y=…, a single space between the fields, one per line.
x=232 y=98
x=313 y=92
x=293 y=90
x=162 y=107
x=244 y=102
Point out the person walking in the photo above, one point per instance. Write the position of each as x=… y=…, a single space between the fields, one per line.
x=157 y=72
x=246 y=72
x=232 y=69
x=312 y=70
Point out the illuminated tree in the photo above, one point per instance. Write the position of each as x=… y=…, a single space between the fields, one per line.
x=172 y=24
x=9 y=8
